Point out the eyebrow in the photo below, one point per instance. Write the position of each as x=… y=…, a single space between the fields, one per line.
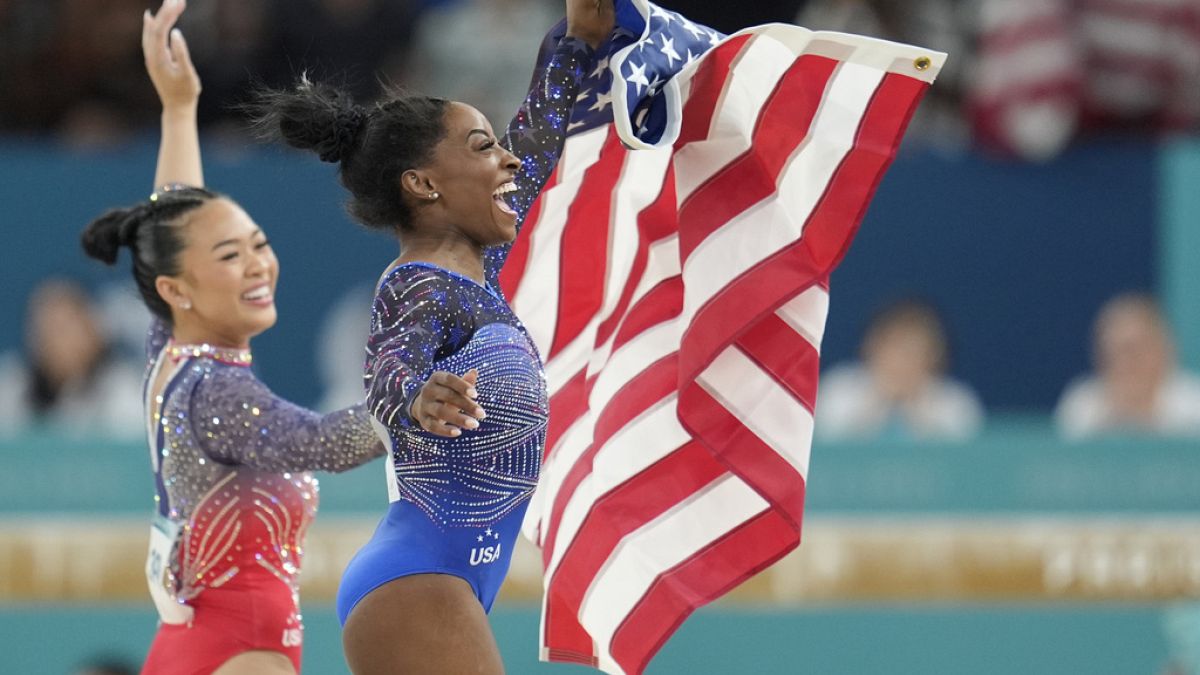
x=219 y=244
x=482 y=132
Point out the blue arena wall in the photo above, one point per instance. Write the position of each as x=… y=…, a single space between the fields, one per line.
x=1017 y=256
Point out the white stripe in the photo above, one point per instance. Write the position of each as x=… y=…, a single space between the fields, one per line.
x=640 y=184
x=647 y=439
x=662 y=263
x=759 y=402
x=765 y=228
x=806 y=314
x=570 y=447
x=536 y=298
x=656 y=547
x=751 y=81
x=633 y=357
x=571 y=359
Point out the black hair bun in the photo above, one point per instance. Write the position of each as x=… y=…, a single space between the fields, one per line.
x=105 y=236
x=312 y=116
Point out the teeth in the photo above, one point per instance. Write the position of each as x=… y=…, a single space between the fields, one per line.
x=504 y=189
x=257 y=294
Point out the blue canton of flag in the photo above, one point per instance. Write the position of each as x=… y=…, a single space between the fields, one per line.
x=634 y=72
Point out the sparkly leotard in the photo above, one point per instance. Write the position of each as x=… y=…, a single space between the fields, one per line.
x=234 y=498
x=457 y=503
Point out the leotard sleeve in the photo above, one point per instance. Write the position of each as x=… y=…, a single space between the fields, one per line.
x=238 y=420
x=537 y=132
x=419 y=316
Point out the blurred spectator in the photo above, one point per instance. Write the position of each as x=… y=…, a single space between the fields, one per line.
x=944 y=25
x=1138 y=386
x=71 y=380
x=482 y=52
x=900 y=389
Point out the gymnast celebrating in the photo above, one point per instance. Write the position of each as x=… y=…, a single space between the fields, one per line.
x=454 y=384
x=233 y=494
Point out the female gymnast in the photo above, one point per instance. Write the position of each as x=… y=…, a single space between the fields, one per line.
x=454 y=384
x=233 y=493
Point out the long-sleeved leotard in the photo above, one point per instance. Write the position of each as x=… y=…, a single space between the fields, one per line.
x=234 y=498
x=457 y=503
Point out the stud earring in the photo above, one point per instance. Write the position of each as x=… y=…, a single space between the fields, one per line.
x=185 y=305
x=434 y=195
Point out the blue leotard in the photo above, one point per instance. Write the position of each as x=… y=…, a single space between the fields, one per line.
x=457 y=503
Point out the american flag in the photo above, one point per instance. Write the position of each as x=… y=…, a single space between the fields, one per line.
x=674 y=274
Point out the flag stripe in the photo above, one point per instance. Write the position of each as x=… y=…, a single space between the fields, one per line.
x=655 y=386
x=750 y=84
x=691 y=524
x=710 y=573
x=538 y=306
x=581 y=280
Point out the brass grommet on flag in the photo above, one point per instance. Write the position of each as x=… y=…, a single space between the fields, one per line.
x=922 y=63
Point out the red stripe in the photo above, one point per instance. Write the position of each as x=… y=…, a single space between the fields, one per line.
x=518 y=257
x=779 y=350
x=743 y=452
x=614 y=515
x=700 y=579
x=584 y=244
x=566 y=406
x=826 y=236
x=644 y=390
x=707 y=85
x=662 y=303
x=655 y=222
x=747 y=180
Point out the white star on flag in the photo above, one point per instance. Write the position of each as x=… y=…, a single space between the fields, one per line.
x=601 y=66
x=603 y=100
x=637 y=75
x=668 y=50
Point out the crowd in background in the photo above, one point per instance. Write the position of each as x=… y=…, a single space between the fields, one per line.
x=1025 y=77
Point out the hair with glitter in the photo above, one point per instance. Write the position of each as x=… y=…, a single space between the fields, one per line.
x=152 y=231
x=373 y=145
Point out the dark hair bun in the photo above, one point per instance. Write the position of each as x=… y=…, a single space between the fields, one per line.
x=104 y=237
x=312 y=116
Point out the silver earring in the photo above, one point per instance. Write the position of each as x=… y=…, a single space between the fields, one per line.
x=434 y=195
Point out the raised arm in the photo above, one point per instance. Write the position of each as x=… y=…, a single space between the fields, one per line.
x=244 y=423
x=537 y=132
x=170 y=68
x=419 y=317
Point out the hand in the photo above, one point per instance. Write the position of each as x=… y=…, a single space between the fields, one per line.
x=591 y=20
x=167 y=59
x=446 y=404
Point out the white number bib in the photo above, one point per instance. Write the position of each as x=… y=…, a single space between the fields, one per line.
x=163 y=536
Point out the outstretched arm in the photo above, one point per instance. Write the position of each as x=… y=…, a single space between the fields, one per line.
x=537 y=133
x=170 y=68
x=244 y=423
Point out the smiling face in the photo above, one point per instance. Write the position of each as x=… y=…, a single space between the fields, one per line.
x=471 y=174
x=225 y=292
